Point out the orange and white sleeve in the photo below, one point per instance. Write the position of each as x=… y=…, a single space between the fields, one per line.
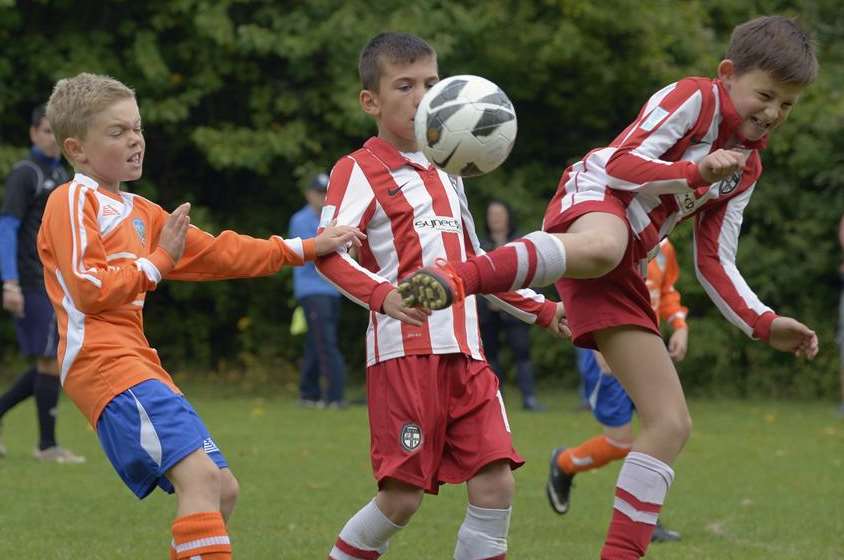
x=70 y=235
x=234 y=255
x=671 y=309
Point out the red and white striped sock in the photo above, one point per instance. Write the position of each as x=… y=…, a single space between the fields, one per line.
x=639 y=494
x=365 y=536
x=535 y=260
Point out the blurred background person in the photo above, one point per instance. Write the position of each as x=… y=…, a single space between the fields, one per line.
x=320 y=302
x=27 y=187
x=841 y=319
x=497 y=326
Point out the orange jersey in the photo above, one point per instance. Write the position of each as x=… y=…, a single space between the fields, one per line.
x=663 y=271
x=101 y=256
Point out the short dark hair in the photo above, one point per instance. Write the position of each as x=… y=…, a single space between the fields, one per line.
x=38 y=115
x=402 y=48
x=775 y=44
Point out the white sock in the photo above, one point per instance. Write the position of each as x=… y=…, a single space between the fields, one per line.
x=483 y=533
x=647 y=479
x=550 y=258
x=368 y=530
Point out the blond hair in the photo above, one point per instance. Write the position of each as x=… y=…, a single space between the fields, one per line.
x=76 y=101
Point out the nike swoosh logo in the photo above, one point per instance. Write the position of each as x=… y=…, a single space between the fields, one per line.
x=397 y=190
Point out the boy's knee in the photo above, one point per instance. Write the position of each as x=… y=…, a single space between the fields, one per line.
x=399 y=501
x=493 y=487
x=605 y=252
x=229 y=493
x=679 y=426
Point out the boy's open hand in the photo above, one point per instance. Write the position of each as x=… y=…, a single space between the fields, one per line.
x=721 y=164
x=790 y=335
x=393 y=307
x=333 y=237
x=173 y=234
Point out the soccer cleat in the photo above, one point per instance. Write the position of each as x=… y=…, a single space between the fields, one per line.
x=661 y=534
x=433 y=287
x=58 y=454
x=559 y=484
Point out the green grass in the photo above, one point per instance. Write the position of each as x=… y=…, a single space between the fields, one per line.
x=758 y=480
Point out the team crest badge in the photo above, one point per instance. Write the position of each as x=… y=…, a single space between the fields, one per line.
x=411 y=437
x=140 y=229
x=729 y=185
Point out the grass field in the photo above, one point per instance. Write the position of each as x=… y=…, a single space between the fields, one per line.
x=758 y=480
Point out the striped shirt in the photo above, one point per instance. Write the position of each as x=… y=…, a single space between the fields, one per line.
x=651 y=169
x=101 y=256
x=412 y=213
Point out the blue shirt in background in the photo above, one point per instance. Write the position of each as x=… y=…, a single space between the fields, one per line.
x=306 y=280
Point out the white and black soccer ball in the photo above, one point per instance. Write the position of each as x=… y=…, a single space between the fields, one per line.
x=465 y=125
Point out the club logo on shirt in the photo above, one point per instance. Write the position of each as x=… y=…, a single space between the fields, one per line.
x=411 y=437
x=438 y=223
x=729 y=185
x=140 y=229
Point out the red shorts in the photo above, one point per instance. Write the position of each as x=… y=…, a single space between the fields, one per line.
x=436 y=419
x=618 y=298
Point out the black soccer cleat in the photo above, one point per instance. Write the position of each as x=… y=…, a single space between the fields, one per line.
x=661 y=534
x=559 y=484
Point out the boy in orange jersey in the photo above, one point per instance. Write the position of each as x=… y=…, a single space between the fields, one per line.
x=610 y=404
x=103 y=249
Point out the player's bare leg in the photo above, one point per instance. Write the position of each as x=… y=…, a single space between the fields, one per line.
x=199 y=529
x=483 y=533
x=593 y=246
x=640 y=361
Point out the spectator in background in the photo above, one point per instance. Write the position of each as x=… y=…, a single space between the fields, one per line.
x=841 y=318
x=27 y=187
x=500 y=229
x=321 y=304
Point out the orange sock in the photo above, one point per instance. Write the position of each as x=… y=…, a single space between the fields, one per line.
x=201 y=536
x=591 y=454
x=173 y=555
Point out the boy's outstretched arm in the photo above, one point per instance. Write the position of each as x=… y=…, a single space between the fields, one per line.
x=335 y=237
x=716 y=243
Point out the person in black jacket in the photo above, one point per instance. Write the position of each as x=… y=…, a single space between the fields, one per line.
x=27 y=187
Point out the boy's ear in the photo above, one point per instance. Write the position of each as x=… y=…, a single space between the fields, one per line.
x=726 y=69
x=369 y=102
x=74 y=150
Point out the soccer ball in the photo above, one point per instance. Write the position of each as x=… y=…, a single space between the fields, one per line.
x=465 y=125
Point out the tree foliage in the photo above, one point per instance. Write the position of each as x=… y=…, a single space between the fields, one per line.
x=243 y=100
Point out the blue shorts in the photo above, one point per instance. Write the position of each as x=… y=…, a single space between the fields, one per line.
x=146 y=430
x=38 y=336
x=610 y=403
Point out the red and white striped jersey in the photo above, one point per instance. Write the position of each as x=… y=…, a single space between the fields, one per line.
x=651 y=168
x=412 y=214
